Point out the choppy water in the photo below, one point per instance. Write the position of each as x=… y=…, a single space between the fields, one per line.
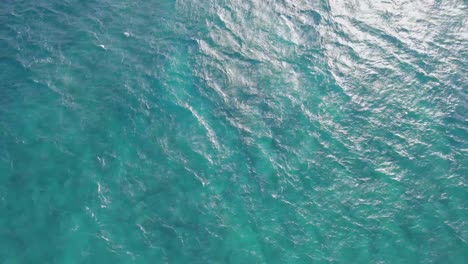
x=244 y=131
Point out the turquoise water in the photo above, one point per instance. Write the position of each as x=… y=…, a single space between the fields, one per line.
x=215 y=131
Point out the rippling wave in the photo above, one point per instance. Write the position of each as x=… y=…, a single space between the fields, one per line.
x=246 y=131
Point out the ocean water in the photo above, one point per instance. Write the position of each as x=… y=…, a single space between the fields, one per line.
x=243 y=131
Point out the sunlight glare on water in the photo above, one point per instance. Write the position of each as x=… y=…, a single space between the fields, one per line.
x=244 y=131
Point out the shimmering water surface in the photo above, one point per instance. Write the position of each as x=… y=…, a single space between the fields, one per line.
x=243 y=131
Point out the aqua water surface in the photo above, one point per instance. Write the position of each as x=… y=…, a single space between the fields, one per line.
x=243 y=131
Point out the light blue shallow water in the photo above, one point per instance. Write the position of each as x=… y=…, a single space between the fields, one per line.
x=246 y=131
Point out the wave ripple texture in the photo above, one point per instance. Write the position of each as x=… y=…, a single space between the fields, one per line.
x=242 y=131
